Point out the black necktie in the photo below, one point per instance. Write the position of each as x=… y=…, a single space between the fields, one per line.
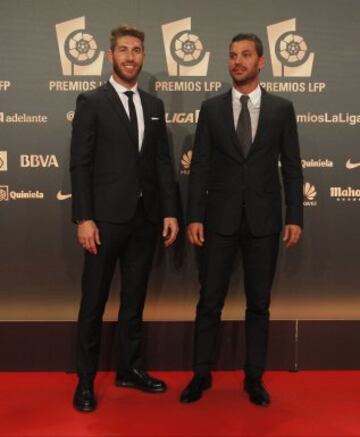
x=133 y=118
x=243 y=129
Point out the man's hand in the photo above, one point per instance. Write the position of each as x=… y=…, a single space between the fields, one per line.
x=170 y=230
x=292 y=235
x=88 y=236
x=195 y=233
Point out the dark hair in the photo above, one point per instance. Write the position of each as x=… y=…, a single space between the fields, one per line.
x=250 y=37
x=125 y=30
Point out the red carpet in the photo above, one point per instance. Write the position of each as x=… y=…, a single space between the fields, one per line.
x=303 y=404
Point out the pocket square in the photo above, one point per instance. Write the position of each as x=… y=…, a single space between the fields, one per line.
x=155 y=118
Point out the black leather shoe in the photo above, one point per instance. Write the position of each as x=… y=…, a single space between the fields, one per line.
x=84 y=398
x=193 y=392
x=139 y=379
x=257 y=393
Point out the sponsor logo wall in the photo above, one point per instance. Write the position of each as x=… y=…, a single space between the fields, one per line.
x=186 y=63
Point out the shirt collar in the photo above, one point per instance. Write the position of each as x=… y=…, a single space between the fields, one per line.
x=120 y=88
x=254 y=96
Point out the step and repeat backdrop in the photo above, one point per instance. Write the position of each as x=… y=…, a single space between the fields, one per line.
x=52 y=51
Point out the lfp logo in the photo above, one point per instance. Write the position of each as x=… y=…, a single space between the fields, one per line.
x=79 y=52
x=184 y=51
x=289 y=52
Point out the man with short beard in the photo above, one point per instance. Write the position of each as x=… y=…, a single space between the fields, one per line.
x=235 y=201
x=123 y=188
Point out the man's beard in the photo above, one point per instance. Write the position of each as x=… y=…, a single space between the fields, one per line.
x=119 y=73
x=247 y=79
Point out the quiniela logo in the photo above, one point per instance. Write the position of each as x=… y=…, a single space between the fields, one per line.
x=3 y=161
x=290 y=57
x=317 y=163
x=348 y=194
x=6 y=194
x=186 y=163
x=310 y=194
x=79 y=56
x=185 y=56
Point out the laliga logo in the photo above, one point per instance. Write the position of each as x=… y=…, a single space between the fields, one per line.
x=3 y=161
x=184 y=51
x=79 y=53
x=290 y=55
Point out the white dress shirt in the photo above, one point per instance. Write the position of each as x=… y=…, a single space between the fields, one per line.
x=254 y=103
x=120 y=90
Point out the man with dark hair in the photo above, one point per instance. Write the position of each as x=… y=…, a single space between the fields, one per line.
x=250 y=37
x=123 y=185
x=235 y=200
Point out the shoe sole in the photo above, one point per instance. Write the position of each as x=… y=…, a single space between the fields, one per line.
x=125 y=384
x=84 y=409
x=253 y=401
x=194 y=400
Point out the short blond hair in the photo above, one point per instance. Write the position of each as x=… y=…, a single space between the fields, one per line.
x=125 y=30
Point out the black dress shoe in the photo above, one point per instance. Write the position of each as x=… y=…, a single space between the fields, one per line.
x=84 y=398
x=139 y=379
x=197 y=385
x=257 y=393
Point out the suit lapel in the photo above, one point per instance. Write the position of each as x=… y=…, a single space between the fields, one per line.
x=146 y=111
x=228 y=117
x=263 y=121
x=119 y=108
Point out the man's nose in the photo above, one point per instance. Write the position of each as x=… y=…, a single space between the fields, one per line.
x=129 y=55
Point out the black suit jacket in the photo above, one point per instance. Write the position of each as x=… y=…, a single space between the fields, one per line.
x=107 y=170
x=222 y=180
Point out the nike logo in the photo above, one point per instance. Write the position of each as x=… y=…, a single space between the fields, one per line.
x=350 y=165
x=61 y=196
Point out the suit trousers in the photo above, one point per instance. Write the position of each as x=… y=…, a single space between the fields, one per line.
x=259 y=255
x=133 y=244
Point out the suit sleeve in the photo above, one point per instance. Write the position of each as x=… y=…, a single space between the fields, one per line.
x=165 y=169
x=82 y=159
x=200 y=169
x=291 y=170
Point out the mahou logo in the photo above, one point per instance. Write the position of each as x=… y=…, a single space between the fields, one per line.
x=310 y=194
x=348 y=194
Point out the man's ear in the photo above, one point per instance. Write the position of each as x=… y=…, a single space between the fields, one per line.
x=261 y=62
x=109 y=55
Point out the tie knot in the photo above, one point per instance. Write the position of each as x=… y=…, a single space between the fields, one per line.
x=244 y=99
x=129 y=94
